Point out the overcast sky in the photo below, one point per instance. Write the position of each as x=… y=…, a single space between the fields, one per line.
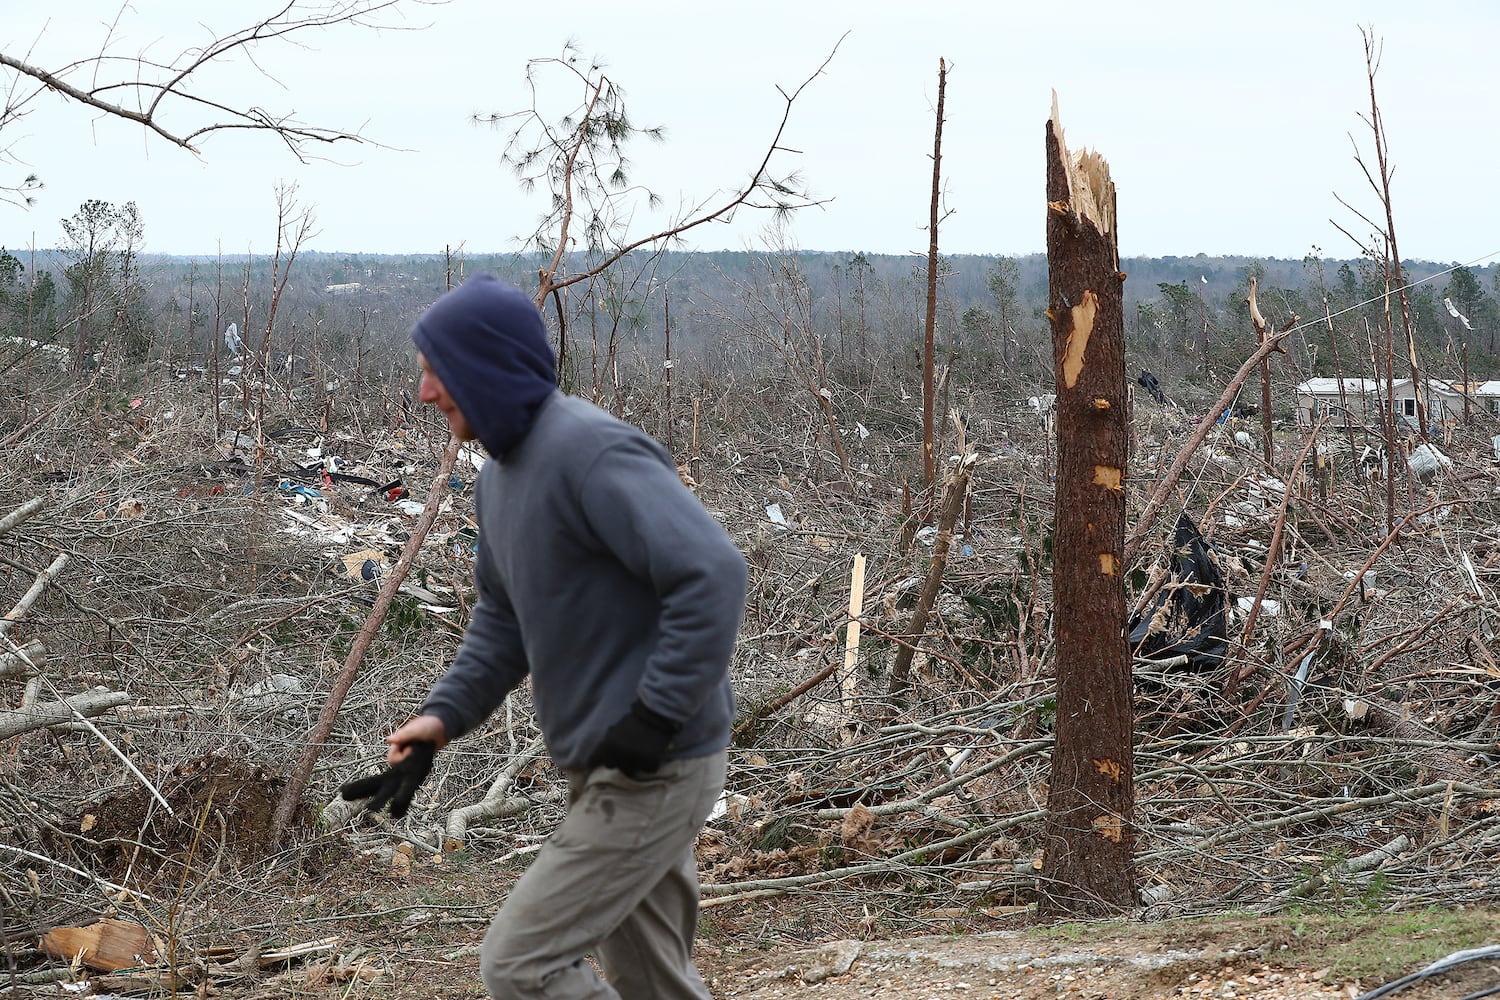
x=1227 y=127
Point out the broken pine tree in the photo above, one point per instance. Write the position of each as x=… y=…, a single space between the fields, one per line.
x=1088 y=867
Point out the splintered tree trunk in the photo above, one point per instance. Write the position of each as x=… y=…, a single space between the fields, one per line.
x=1088 y=867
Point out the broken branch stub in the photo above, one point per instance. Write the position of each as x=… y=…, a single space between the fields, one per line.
x=21 y=513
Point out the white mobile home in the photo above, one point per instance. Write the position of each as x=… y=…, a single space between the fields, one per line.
x=1350 y=402
x=1486 y=396
x=1443 y=402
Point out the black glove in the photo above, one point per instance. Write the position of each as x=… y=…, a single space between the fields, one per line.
x=638 y=743
x=395 y=785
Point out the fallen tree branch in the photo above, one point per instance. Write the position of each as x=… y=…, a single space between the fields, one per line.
x=494 y=803
x=1207 y=423
x=21 y=513
x=29 y=598
x=953 y=502
x=760 y=712
x=1395 y=720
x=920 y=802
x=14 y=722
x=24 y=661
x=129 y=764
x=1339 y=807
x=1354 y=866
x=76 y=871
x=297 y=783
x=732 y=891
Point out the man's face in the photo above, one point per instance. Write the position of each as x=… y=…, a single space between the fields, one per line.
x=433 y=392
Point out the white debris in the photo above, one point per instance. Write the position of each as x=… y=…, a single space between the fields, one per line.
x=1453 y=311
x=232 y=340
x=275 y=688
x=1268 y=607
x=1426 y=460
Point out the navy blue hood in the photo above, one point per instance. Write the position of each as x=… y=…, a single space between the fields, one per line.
x=486 y=340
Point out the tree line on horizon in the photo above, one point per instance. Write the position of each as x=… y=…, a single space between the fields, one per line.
x=100 y=293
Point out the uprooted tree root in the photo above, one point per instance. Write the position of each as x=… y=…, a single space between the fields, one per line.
x=213 y=816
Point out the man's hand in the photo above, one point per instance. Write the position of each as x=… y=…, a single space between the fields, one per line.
x=638 y=743
x=395 y=785
x=412 y=748
x=420 y=729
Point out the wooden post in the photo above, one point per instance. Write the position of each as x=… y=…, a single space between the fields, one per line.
x=851 y=645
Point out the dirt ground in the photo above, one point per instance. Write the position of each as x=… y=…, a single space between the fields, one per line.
x=361 y=926
x=1129 y=962
x=423 y=927
x=1220 y=958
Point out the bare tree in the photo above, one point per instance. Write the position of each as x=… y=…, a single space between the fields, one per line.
x=1384 y=248
x=294 y=227
x=168 y=96
x=929 y=458
x=581 y=159
x=778 y=312
x=1089 y=861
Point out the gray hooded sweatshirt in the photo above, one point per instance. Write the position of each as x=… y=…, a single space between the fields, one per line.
x=599 y=574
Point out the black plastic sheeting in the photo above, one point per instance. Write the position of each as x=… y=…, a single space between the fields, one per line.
x=1148 y=381
x=1187 y=618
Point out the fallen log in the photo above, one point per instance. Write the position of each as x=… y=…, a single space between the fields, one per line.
x=24 y=660
x=14 y=722
x=495 y=802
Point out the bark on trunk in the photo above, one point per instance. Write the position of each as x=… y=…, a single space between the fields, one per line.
x=1088 y=867
x=953 y=505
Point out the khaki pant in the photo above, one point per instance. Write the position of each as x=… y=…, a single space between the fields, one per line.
x=617 y=879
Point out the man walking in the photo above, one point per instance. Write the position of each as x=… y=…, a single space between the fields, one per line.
x=602 y=578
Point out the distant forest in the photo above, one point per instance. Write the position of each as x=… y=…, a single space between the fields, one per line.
x=1185 y=316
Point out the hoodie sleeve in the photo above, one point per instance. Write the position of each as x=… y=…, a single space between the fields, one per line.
x=490 y=661
x=638 y=508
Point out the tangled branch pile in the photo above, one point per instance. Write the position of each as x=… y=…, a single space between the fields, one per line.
x=1340 y=752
